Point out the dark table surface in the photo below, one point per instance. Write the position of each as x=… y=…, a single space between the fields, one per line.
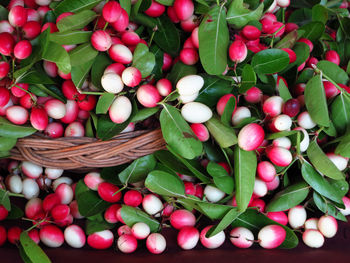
x=336 y=250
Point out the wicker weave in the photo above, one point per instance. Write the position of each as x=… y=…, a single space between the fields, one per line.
x=70 y=153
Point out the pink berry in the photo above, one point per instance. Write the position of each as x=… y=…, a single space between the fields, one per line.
x=120 y=53
x=214 y=241
x=92 y=180
x=273 y=106
x=307 y=42
x=124 y=230
x=4 y=70
x=132 y=198
x=220 y=106
x=172 y=14
x=17 y=115
x=183 y=9
x=101 y=40
x=107 y=192
x=111 y=11
x=122 y=23
x=3 y=235
x=39 y=119
x=7 y=43
x=17 y=16
x=74 y=236
x=188 y=237
x=3 y=213
x=164 y=87
x=140 y=230
x=181 y=218
x=54 y=130
x=250 y=137
x=291 y=107
x=120 y=109
x=200 y=131
x=110 y=214
x=279 y=156
x=332 y=56
x=148 y=95
x=241 y=237
x=155 y=9
x=152 y=205
x=131 y=77
x=189 y=56
x=330 y=89
x=33 y=207
x=13 y=234
x=253 y=95
x=74 y=129
x=238 y=51
x=291 y=54
x=328 y=226
x=266 y=171
x=127 y=243
x=280 y=217
x=101 y=240
x=4 y=96
x=271 y=236
x=156 y=243
x=313 y=238
x=51 y=236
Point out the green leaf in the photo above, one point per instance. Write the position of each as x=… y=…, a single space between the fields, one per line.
x=322 y=163
x=319 y=14
x=110 y=174
x=143 y=60
x=239 y=16
x=14 y=131
x=193 y=165
x=166 y=2
x=80 y=73
x=52 y=90
x=343 y=147
x=32 y=250
x=56 y=53
x=283 y=90
x=89 y=202
x=225 y=136
x=327 y=207
x=138 y=169
x=35 y=76
x=159 y=55
x=106 y=129
x=15 y=213
x=290 y=39
x=5 y=199
x=164 y=183
x=167 y=37
x=132 y=215
x=76 y=21
x=270 y=61
x=104 y=102
x=340 y=113
x=213 y=38
x=224 y=223
x=254 y=221
x=98 y=68
x=179 y=71
x=245 y=169
x=316 y=102
x=170 y=161
x=333 y=71
x=97 y=225
x=7 y=144
x=313 y=30
x=289 y=197
x=221 y=178
x=126 y=5
x=178 y=134
x=3 y=13
x=320 y=184
x=277 y=135
x=75 y=6
x=248 y=78
x=71 y=37
x=82 y=54
x=228 y=111
x=144 y=114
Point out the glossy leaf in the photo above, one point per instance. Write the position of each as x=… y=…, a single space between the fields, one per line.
x=51 y=90
x=170 y=161
x=97 y=223
x=75 y=6
x=7 y=144
x=228 y=111
x=101 y=62
x=239 y=16
x=143 y=60
x=164 y=183
x=71 y=37
x=35 y=75
x=138 y=169
x=289 y=197
x=221 y=178
x=230 y=216
x=290 y=39
x=14 y=131
x=320 y=184
x=180 y=70
x=167 y=37
x=89 y=202
x=319 y=13
x=254 y=221
x=5 y=199
x=322 y=163
x=56 y=53
x=333 y=71
x=316 y=102
x=213 y=38
x=283 y=91
x=340 y=113
x=224 y=135
x=15 y=213
x=126 y=5
x=132 y=215
x=248 y=78
x=313 y=30
x=327 y=207
x=104 y=102
x=245 y=169
x=270 y=61
x=213 y=89
x=144 y=114
x=82 y=54
x=76 y=21
x=80 y=73
x=32 y=250
x=178 y=134
x=343 y=147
